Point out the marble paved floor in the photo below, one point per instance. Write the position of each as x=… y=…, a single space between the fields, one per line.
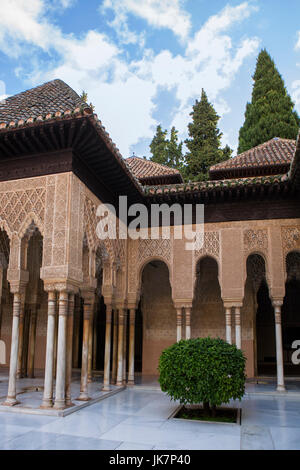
x=138 y=419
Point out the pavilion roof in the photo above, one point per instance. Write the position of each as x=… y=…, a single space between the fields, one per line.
x=151 y=173
x=270 y=158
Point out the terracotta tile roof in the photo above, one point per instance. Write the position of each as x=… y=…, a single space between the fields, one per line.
x=205 y=186
x=51 y=97
x=272 y=157
x=50 y=102
x=147 y=171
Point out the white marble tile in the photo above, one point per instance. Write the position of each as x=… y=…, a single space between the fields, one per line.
x=286 y=438
x=134 y=446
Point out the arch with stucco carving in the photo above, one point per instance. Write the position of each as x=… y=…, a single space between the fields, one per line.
x=144 y=263
x=31 y=218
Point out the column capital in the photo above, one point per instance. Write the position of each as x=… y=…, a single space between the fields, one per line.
x=60 y=286
x=277 y=302
x=229 y=303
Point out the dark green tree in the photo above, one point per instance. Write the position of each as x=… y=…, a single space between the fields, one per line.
x=174 y=151
x=158 y=146
x=203 y=370
x=204 y=142
x=271 y=112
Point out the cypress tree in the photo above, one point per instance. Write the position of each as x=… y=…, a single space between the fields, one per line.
x=158 y=146
x=271 y=112
x=204 y=142
x=174 y=151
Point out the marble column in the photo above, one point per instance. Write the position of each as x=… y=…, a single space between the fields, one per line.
x=106 y=381
x=12 y=392
x=48 y=383
x=238 y=336
x=90 y=350
x=60 y=397
x=279 y=350
x=32 y=340
x=179 y=323
x=120 y=347
x=131 y=346
x=21 y=338
x=188 y=322
x=70 y=325
x=115 y=349
x=55 y=341
x=228 y=324
x=76 y=331
x=87 y=313
x=125 y=347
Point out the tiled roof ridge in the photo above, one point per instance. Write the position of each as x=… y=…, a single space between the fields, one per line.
x=230 y=164
x=264 y=144
x=158 y=165
x=212 y=184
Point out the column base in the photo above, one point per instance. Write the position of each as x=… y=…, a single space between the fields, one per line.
x=69 y=404
x=59 y=405
x=106 y=388
x=130 y=383
x=280 y=388
x=46 y=406
x=83 y=397
x=11 y=402
x=119 y=383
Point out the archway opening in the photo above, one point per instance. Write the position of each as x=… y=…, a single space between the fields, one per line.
x=32 y=346
x=208 y=318
x=291 y=313
x=5 y=296
x=263 y=314
x=157 y=316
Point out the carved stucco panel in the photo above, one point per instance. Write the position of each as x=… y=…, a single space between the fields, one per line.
x=255 y=240
x=290 y=239
x=211 y=245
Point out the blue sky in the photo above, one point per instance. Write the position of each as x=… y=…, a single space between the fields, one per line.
x=144 y=62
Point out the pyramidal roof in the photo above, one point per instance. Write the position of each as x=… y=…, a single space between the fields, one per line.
x=51 y=97
x=146 y=170
x=271 y=157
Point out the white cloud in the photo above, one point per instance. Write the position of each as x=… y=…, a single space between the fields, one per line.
x=124 y=91
x=159 y=14
x=297 y=46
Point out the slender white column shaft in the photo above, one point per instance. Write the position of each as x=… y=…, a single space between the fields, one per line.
x=11 y=395
x=179 y=323
x=115 y=349
x=87 y=311
x=131 y=346
x=32 y=339
x=125 y=346
x=228 y=325
x=70 y=325
x=106 y=381
x=279 y=350
x=188 y=322
x=238 y=337
x=120 y=347
x=48 y=383
x=21 y=339
x=60 y=400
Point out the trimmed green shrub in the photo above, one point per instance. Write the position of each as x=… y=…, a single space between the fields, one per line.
x=203 y=370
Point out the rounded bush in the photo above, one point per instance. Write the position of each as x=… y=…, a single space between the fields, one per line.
x=203 y=370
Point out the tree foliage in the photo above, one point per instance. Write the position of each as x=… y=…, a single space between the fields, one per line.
x=271 y=112
x=166 y=151
x=203 y=370
x=204 y=142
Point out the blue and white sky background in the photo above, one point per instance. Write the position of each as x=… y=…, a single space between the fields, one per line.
x=144 y=62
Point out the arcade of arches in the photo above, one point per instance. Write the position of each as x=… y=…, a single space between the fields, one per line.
x=70 y=301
